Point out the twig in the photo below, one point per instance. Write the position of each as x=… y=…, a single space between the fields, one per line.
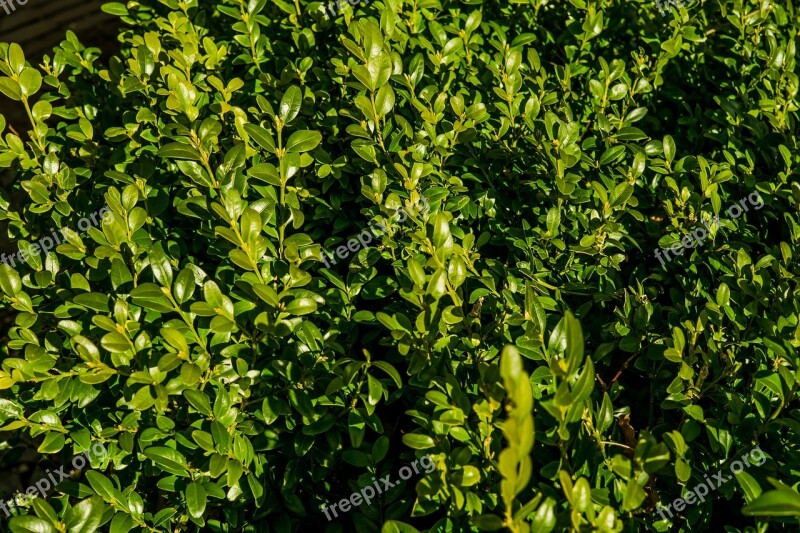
x=625 y=365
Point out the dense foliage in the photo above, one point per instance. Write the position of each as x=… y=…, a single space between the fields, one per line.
x=520 y=331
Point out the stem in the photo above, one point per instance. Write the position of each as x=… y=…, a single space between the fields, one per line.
x=778 y=410
x=33 y=123
x=377 y=121
x=51 y=376
x=284 y=180
x=615 y=444
x=168 y=294
x=207 y=166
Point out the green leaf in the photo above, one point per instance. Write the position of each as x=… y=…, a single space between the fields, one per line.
x=634 y=495
x=44 y=510
x=150 y=296
x=774 y=503
x=262 y=137
x=10 y=282
x=86 y=516
x=301 y=306
x=86 y=349
x=488 y=522
x=723 y=295
x=177 y=150
x=784 y=501
x=621 y=194
x=10 y=88
x=184 y=286
x=195 y=172
x=30 y=524
x=442 y=238
x=290 y=104
x=115 y=342
x=672 y=46
x=384 y=101
x=122 y=523
x=606 y=415
x=393 y=526
x=750 y=487
x=378 y=71
x=669 y=148
x=195 y=499
x=373 y=40
x=553 y=221
x=30 y=81
x=473 y=21
x=268 y=294
x=418 y=441
x=93 y=300
x=511 y=366
x=102 y=485
x=16 y=58
x=574 y=336
x=300 y=401
x=115 y=8
x=375 y=390
x=303 y=141
x=159 y=262
x=175 y=339
x=199 y=401
x=52 y=443
x=167 y=459
x=437 y=285
x=581 y=495
x=470 y=476
x=31 y=255
x=389 y=369
x=585 y=384
x=544 y=520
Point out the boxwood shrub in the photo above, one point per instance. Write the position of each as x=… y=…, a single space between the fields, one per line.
x=522 y=332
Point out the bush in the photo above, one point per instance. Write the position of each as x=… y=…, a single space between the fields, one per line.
x=509 y=320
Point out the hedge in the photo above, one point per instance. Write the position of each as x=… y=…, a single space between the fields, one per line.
x=548 y=248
